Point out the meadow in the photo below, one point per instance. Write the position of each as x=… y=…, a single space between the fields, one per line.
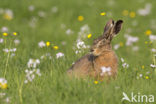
x=41 y=39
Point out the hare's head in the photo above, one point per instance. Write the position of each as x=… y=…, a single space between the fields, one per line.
x=102 y=43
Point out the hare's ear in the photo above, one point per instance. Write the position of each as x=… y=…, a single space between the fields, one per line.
x=117 y=26
x=108 y=26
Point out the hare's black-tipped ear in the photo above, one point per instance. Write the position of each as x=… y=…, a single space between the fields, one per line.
x=108 y=26
x=117 y=26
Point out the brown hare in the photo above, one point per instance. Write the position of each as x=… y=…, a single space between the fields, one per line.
x=101 y=62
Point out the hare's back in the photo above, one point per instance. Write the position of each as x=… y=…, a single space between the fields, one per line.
x=82 y=66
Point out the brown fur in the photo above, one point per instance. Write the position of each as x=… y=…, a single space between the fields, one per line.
x=101 y=55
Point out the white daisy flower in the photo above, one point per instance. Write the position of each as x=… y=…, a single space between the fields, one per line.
x=116 y=46
x=131 y=39
x=105 y=70
x=31 y=8
x=69 y=32
x=153 y=66
x=145 y=11
x=1 y=40
x=41 y=44
x=4 y=29
x=33 y=63
x=16 y=41
x=152 y=37
x=54 y=9
x=59 y=55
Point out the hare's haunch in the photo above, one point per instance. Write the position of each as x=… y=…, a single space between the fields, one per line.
x=102 y=61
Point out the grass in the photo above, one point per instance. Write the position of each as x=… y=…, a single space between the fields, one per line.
x=53 y=86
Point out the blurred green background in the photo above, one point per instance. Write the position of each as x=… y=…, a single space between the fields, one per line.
x=61 y=22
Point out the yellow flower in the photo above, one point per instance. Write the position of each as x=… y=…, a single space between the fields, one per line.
x=103 y=13
x=47 y=44
x=14 y=33
x=125 y=12
x=146 y=42
x=5 y=34
x=55 y=47
x=7 y=17
x=80 y=18
x=142 y=66
x=132 y=14
x=95 y=82
x=150 y=42
x=3 y=86
x=148 y=32
x=147 y=77
x=89 y=36
x=121 y=44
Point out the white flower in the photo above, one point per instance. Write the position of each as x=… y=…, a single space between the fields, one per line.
x=13 y=50
x=1 y=40
x=54 y=9
x=148 y=72
x=33 y=63
x=153 y=50
x=38 y=72
x=9 y=13
x=9 y=50
x=130 y=39
x=26 y=71
x=7 y=100
x=152 y=37
x=63 y=42
x=116 y=46
x=3 y=81
x=105 y=70
x=16 y=41
x=69 y=32
x=41 y=14
x=145 y=11
x=85 y=28
x=6 y=50
x=122 y=60
x=12 y=54
x=153 y=66
x=59 y=55
x=80 y=44
x=31 y=8
x=41 y=44
x=78 y=51
x=46 y=55
x=84 y=31
x=140 y=75
x=2 y=94
x=30 y=75
x=4 y=29
x=124 y=64
x=26 y=81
